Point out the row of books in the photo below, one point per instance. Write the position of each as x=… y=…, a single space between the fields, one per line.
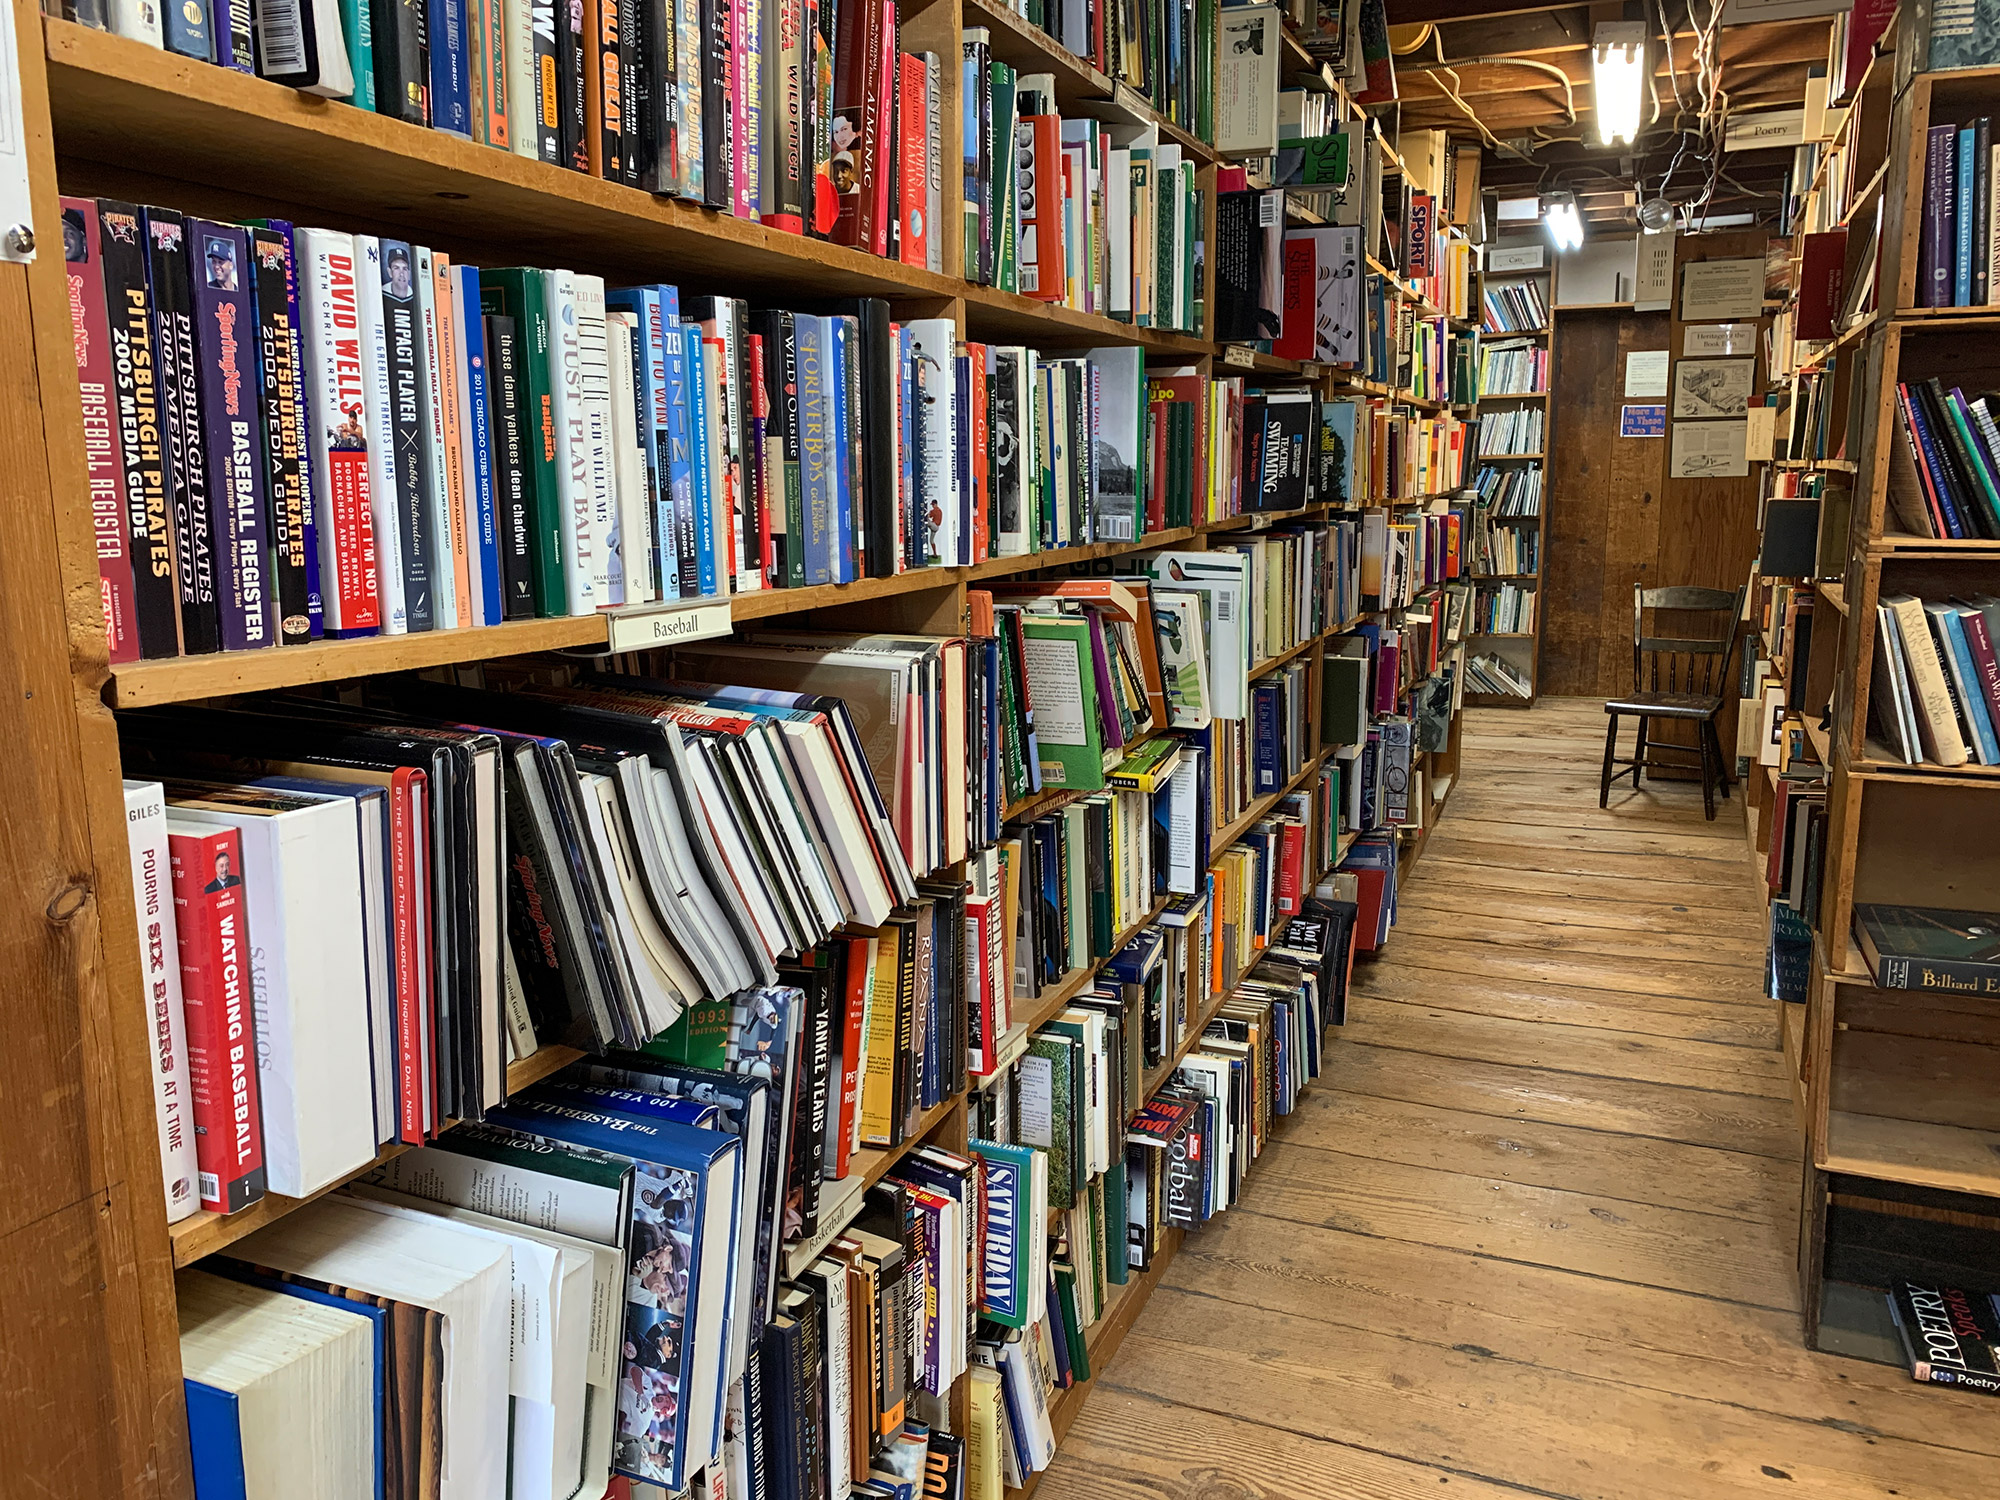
x=1502 y=550
x=1394 y=452
x=810 y=122
x=1513 y=370
x=1101 y=217
x=1956 y=246
x=1487 y=672
x=1518 y=306
x=1944 y=476
x=1511 y=430
x=1165 y=53
x=1935 y=692
x=1510 y=489
x=1506 y=610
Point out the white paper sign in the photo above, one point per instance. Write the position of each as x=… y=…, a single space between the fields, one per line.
x=1709 y=450
x=1646 y=374
x=1761 y=434
x=674 y=624
x=1713 y=387
x=1719 y=338
x=1719 y=291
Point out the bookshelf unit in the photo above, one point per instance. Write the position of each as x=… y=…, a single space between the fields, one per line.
x=1520 y=650
x=109 y=116
x=1894 y=1088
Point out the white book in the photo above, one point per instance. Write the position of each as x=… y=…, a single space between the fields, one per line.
x=628 y=464
x=466 y=480
x=1120 y=229
x=280 y=1388
x=523 y=86
x=378 y=420
x=426 y=1263
x=658 y=974
x=300 y=44
x=159 y=947
x=572 y=443
x=302 y=893
x=933 y=162
x=934 y=343
x=594 y=373
x=447 y=513
x=333 y=356
x=140 y=20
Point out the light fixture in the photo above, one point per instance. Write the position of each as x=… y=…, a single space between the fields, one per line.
x=1656 y=214
x=1565 y=224
x=1618 y=78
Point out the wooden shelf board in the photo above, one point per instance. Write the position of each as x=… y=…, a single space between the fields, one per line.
x=532 y=1070
x=1913 y=1151
x=1879 y=763
x=205 y=1233
x=1233 y=831
x=1902 y=545
x=1271 y=663
x=873 y=1163
x=178 y=679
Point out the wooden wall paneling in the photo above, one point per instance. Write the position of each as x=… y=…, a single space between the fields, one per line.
x=87 y=1319
x=1709 y=527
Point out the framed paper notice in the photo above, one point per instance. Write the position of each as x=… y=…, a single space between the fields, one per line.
x=1645 y=374
x=1719 y=338
x=1713 y=387
x=1721 y=291
x=1709 y=450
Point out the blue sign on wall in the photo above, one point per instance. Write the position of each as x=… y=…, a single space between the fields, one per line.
x=1642 y=421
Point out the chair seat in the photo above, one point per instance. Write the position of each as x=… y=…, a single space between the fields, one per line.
x=1666 y=705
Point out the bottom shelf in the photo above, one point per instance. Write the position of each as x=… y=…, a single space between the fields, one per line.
x=1952 y=1157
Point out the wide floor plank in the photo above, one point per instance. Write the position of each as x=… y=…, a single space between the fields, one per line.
x=1532 y=1232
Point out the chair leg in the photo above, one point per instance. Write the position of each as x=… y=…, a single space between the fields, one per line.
x=1610 y=747
x=1708 y=769
x=1639 y=755
x=1722 y=775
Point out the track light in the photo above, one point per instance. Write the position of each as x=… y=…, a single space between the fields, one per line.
x=1618 y=78
x=1565 y=224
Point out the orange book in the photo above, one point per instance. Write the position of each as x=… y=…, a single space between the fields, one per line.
x=447 y=399
x=1040 y=252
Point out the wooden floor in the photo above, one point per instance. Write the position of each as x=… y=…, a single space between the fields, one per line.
x=1533 y=1231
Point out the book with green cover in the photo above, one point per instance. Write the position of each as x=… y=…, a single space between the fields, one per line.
x=698 y=1037
x=1047 y=1100
x=1930 y=948
x=1062 y=684
x=1007 y=1219
x=521 y=293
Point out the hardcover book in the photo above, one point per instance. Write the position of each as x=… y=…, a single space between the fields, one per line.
x=1924 y=948
x=1950 y=1336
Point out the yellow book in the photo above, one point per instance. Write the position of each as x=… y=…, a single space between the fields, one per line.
x=982 y=1435
x=878 y=1042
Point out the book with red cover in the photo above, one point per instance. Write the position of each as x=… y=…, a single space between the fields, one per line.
x=912 y=160
x=1300 y=305
x=1865 y=25
x=1040 y=251
x=212 y=919
x=1822 y=274
x=861 y=76
x=856 y=1006
x=1291 y=868
x=90 y=335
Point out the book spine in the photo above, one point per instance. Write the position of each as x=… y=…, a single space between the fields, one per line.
x=546 y=94
x=90 y=337
x=476 y=426
x=609 y=118
x=141 y=436
x=573 y=54
x=235 y=36
x=701 y=463
x=402 y=60
x=450 y=89
x=225 y=342
x=636 y=24
x=516 y=28
x=746 y=124
x=446 y=514
x=302 y=422
x=654 y=435
x=788 y=150
x=717 y=104
x=445 y=369
x=689 y=105
x=357 y=29
x=338 y=438
x=594 y=390
x=1965 y=176
x=284 y=461
x=678 y=442
x=159 y=963
x=912 y=179
x=181 y=391
x=573 y=472
x=511 y=460
x=403 y=346
x=1939 y=229
x=185 y=31
x=221 y=1026
x=839 y=373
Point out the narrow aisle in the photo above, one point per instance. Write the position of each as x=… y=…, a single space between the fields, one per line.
x=1534 y=1229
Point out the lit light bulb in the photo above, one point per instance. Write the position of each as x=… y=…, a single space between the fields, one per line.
x=1618 y=78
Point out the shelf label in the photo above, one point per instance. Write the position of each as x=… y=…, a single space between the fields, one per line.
x=1239 y=355
x=672 y=624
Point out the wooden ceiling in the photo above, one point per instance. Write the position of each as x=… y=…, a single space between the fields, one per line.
x=1526 y=75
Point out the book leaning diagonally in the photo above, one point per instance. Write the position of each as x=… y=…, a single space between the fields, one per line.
x=1936 y=720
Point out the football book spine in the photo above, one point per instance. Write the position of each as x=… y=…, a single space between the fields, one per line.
x=226 y=347
x=572 y=65
x=402 y=60
x=476 y=422
x=90 y=338
x=187 y=454
x=220 y=1015
x=141 y=427
x=338 y=439
x=403 y=349
x=510 y=468
x=283 y=459
x=447 y=516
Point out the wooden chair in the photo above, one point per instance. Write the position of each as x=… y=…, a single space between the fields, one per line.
x=1676 y=677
